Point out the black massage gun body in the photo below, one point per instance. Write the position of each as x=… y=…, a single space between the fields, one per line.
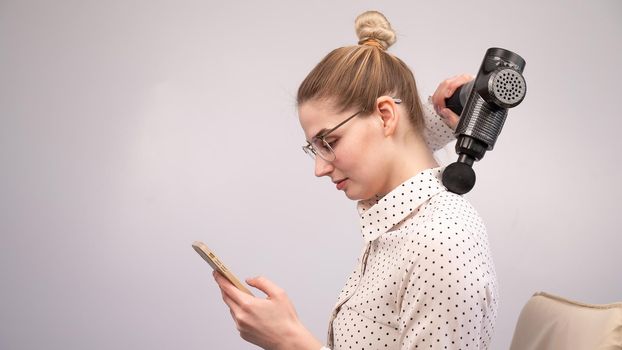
x=483 y=106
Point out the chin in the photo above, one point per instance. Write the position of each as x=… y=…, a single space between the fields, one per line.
x=352 y=197
x=356 y=196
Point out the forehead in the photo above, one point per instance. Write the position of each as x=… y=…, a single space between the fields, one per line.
x=316 y=115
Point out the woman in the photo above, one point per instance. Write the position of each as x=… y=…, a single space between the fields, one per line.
x=425 y=278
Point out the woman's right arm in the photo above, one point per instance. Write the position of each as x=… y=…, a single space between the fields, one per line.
x=440 y=121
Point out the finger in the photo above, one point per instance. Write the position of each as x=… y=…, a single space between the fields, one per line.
x=220 y=280
x=456 y=82
x=230 y=290
x=444 y=90
x=266 y=286
x=438 y=98
x=467 y=77
x=451 y=86
x=450 y=118
x=234 y=308
x=447 y=88
x=235 y=319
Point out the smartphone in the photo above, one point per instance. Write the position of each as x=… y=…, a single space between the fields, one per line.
x=217 y=265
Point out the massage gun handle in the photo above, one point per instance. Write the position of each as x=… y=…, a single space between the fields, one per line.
x=453 y=102
x=458 y=100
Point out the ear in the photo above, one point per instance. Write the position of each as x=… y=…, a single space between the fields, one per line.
x=389 y=114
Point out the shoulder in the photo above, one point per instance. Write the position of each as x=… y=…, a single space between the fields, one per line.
x=452 y=211
x=448 y=240
x=445 y=224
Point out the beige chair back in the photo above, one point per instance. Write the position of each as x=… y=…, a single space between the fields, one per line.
x=549 y=322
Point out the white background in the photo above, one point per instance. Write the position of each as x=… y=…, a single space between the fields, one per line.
x=129 y=129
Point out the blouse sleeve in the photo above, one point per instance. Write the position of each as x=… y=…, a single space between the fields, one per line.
x=436 y=133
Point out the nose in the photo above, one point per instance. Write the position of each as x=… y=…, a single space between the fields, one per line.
x=322 y=167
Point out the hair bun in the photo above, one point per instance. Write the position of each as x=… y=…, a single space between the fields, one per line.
x=373 y=25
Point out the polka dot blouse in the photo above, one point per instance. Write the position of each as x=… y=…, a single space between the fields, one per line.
x=425 y=278
x=437 y=134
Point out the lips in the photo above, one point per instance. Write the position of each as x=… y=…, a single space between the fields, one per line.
x=341 y=183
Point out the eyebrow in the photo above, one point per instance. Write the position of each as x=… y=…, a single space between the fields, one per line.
x=325 y=131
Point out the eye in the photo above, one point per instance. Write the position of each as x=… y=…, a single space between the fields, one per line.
x=332 y=142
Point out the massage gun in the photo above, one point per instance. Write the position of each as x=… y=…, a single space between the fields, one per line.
x=499 y=85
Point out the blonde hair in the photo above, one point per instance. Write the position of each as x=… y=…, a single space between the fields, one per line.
x=355 y=76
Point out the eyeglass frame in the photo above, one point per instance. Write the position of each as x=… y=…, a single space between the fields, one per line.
x=311 y=150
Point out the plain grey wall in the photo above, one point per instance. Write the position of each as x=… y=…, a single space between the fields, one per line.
x=129 y=129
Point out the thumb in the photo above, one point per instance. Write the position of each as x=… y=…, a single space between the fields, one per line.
x=266 y=286
x=450 y=118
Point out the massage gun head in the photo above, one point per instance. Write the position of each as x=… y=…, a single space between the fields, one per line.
x=499 y=85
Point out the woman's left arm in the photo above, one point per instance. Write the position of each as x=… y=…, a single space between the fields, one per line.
x=271 y=323
x=448 y=297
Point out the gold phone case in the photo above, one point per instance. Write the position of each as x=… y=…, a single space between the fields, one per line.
x=217 y=265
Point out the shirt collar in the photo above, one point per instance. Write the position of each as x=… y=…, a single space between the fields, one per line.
x=379 y=214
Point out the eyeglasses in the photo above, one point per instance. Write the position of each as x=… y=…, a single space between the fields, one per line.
x=318 y=146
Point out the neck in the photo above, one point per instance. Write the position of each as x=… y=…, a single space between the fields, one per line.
x=411 y=158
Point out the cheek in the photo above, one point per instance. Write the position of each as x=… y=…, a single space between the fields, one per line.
x=367 y=151
x=352 y=158
x=363 y=175
x=362 y=160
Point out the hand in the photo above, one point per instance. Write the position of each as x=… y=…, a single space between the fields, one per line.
x=445 y=90
x=270 y=323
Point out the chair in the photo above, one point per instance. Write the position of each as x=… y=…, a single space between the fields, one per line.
x=549 y=322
